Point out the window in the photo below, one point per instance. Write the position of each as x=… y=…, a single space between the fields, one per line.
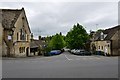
x=102 y=47
x=22 y=34
x=22 y=49
x=17 y=36
x=99 y=47
x=27 y=37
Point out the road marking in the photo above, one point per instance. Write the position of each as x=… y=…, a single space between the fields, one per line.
x=67 y=58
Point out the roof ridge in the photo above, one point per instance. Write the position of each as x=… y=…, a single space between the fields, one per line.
x=11 y=9
x=113 y=27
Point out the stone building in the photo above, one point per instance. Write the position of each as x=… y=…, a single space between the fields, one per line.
x=107 y=41
x=16 y=33
x=37 y=46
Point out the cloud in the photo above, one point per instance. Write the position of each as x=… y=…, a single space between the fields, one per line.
x=48 y=18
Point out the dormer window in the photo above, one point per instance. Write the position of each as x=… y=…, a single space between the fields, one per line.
x=105 y=35
x=102 y=36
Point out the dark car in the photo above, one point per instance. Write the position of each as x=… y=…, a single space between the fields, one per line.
x=54 y=52
x=87 y=53
x=99 y=53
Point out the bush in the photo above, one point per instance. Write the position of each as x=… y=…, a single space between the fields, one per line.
x=47 y=50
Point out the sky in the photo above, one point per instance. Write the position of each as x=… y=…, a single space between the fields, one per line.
x=49 y=18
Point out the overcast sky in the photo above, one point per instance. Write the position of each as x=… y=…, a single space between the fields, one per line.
x=48 y=18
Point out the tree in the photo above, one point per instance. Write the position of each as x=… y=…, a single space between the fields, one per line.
x=61 y=33
x=76 y=37
x=56 y=42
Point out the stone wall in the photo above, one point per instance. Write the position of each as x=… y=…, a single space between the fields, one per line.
x=102 y=46
x=115 y=44
x=1 y=32
x=21 y=43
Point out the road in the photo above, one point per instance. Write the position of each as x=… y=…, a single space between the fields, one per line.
x=64 y=65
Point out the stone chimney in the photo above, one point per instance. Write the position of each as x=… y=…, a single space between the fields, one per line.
x=39 y=37
x=31 y=36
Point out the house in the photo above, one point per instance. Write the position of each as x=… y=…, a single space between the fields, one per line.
x=107 y=41
x=37 y=46
x=16 y=33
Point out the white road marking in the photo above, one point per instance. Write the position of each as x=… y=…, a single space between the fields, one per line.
x=68 y=58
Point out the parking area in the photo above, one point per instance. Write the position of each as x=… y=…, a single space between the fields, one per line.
x=65 y=65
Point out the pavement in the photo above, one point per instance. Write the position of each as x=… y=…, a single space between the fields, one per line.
x=65 y=65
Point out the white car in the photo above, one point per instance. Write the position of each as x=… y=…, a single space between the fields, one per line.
x=73 y=51
x=66 y=49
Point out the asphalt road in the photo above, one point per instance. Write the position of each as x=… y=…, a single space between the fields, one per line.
x=64 y=65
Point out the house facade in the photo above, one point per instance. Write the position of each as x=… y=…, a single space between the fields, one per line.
x=37 y=46
x=16 y=33
x=107 y=41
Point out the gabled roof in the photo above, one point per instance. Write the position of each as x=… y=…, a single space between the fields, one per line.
x=110 y=32
x=37 y=43
x=9 y=17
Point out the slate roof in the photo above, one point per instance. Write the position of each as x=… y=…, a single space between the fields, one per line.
x=97 y=35
x=9 y=17
x=110 y=32
x=36 y=43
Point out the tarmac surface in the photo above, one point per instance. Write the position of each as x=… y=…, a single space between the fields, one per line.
x=65 y=65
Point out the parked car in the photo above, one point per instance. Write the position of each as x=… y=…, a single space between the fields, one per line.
x=73 y=51
x=99 y=53
x=66 y=49
x=54 y=52
x=62 y=50
x=80 y=52
x=87 y=53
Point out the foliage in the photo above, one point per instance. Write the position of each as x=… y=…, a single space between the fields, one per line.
x=76 y=37
x=57 y=42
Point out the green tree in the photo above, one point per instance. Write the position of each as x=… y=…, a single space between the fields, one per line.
x=57 y=42
x=76 y=37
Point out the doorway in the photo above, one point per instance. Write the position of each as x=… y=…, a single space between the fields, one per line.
x=27 y=51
